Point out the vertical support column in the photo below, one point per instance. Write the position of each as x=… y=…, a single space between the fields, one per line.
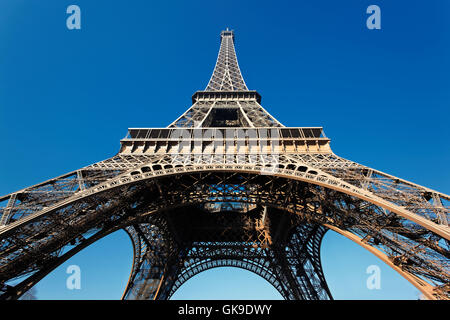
x=151 y=277
x=291 y=289
x=441 y=212
x=8 y=209
x=365 y=183
x=81 y=180
x=302 y=259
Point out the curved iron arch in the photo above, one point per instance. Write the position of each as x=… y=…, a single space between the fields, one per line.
x=224 y=172
x=208 y=265
x=317 y=178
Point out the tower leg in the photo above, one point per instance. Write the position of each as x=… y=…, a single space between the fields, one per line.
x=154 y=261
x=299 y=266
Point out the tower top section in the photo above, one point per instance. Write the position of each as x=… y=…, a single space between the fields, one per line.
x=226 y=101
x=227 y=75
x=223 y=117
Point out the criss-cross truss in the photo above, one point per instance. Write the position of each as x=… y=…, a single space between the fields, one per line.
x=226 y=185
x=227 y=75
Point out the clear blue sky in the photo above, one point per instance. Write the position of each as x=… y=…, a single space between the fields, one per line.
x=68 y=97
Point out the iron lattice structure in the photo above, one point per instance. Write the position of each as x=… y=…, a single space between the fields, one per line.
x=226 y=184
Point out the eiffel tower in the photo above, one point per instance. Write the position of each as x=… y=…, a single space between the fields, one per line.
x=226 y=184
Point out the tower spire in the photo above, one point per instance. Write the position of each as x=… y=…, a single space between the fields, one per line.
x=227 y=75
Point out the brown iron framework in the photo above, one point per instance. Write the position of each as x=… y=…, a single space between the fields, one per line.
x=226 y=184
